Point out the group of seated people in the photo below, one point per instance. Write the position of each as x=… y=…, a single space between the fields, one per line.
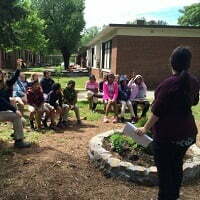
x=45 y=101
x=118 y=92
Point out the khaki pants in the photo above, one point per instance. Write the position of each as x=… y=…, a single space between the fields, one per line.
x=17 y=123
x=77 y=113
x=123 y=108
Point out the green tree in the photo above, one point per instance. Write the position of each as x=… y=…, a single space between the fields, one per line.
x=190 y=15
x=30 y=30
x=89 y=34
x=150 y=22
x=10 y=13
x=65 y=21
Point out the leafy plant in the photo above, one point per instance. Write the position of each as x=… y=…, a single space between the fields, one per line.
x=121 y=142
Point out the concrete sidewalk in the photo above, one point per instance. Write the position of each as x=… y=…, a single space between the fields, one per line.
x=82 y=95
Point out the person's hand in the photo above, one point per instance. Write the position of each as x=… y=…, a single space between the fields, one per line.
x=19 y=63
x=141 y=131
x=72 y=107
x=19 y=113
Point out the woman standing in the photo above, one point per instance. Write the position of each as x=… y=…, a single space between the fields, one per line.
x=173 y=124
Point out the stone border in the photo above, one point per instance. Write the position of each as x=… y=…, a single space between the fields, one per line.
x=114 y=167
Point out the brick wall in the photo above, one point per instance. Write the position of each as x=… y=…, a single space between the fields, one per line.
x=149 y=56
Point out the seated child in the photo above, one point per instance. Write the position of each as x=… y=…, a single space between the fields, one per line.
x=110 y=94
x=38 y=107
x=138 y=95
x=70 y=98
x=55 y=99
x=124 y=98
x=92 y=92
x=19 y=92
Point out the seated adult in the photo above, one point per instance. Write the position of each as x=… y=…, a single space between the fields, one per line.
x=138 y=95
x=92 y=92
x=19 y=92
x=46 y=83
x=8 y=112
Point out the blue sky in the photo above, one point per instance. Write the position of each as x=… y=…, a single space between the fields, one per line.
x=100 y=12
x=167 y=14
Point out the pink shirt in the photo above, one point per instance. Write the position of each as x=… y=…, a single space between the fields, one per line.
x=110 y=91
x=92 y=86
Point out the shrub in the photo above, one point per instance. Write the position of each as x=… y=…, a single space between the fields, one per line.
x=121 y=142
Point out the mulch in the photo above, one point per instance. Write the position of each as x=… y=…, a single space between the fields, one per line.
x=58 y=168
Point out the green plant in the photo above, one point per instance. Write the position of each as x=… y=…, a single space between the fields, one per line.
x=121 y=142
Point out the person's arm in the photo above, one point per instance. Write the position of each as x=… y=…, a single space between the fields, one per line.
x=149 y=124
x=60 y=100
x=130 y=82
x=10 y=82
x=5 y=105
x=116 y=92
x=105 y=92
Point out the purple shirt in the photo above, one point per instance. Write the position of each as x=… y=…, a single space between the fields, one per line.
x=176 y=121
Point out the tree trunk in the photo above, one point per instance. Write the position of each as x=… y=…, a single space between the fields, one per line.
x=66 y=57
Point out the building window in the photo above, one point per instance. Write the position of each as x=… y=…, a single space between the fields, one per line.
x=92 y=57
x=106 y=54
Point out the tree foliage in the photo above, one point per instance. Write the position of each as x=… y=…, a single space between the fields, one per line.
x=190 y=15
x=30 y=30
x=10 y=12
x=89 y=34
x=150 y=22
x=65 y=21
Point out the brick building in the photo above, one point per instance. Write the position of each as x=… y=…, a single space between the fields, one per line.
x=144 y=49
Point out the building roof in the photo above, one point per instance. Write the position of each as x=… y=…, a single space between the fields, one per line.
x=146 y=30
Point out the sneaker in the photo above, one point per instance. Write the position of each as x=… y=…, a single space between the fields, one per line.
x=115 y=120
x=133 y=120
x=79 y=122
x=65 y=124
x=105 y=120
x=21 y=144
x=32 y=124
x=60 y=125
x=54 y=127
x=44 y=122
x=122 y=119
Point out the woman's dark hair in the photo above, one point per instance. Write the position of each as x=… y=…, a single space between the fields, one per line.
x=92 y=76
x=180 y=61
x=56 y=86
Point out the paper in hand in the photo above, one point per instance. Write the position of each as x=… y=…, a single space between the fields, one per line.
x=130 y=131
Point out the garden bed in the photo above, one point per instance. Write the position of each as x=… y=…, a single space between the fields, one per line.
x=142 y=170
x=127 y=150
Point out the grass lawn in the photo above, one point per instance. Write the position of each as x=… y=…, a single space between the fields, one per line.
x=80 y=81
x=41 y=69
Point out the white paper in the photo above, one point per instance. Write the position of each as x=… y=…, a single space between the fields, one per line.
x=130 y=130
